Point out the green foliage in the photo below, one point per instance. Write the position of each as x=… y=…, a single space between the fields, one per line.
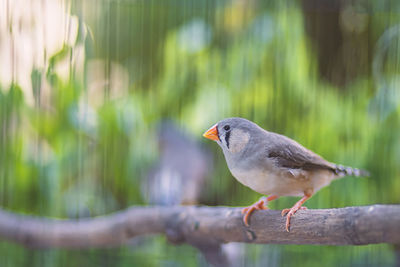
x=79 y=152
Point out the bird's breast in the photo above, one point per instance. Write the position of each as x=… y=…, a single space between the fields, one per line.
x=280 y=182
x=261 y=181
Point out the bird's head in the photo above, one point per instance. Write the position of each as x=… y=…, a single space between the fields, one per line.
x=232 y=134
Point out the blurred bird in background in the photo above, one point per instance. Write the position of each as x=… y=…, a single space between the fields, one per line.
x=181 y=172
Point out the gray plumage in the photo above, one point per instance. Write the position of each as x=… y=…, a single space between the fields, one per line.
x=271 y=163
x=181 y=172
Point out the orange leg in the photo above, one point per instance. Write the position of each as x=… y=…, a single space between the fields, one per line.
x=295 y=208
x=259 y=205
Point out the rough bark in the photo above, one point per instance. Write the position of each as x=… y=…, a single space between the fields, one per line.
x=208 y=227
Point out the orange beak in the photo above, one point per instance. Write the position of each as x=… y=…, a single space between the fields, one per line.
x=212 y=133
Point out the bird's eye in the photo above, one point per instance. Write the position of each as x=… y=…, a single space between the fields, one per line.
x=227 y=127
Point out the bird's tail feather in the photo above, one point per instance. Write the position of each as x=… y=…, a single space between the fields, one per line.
x=341 y=171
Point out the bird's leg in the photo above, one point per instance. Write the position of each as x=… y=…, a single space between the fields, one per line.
x=259 y=205
x=290 y=212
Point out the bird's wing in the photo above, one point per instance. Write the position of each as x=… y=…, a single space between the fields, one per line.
x=287 y=153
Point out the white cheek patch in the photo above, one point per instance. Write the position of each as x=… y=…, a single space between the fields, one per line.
x=238 y=140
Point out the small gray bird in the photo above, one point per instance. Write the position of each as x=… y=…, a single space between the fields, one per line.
x=273 y=164
x=180 y=175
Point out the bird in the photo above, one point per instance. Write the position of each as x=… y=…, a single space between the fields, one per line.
x=273 y=164
x=182 y=170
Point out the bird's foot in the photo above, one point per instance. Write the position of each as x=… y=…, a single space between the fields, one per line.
x=284 y=211
x=289 y=213
x=247 y=211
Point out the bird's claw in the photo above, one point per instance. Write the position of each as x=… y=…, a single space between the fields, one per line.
x=284 y=211
x=260 y=205
x=289 y=213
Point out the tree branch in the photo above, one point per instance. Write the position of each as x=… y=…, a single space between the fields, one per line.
x=207 y=227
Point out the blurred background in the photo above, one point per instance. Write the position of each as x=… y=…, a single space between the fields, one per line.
x=102 y=101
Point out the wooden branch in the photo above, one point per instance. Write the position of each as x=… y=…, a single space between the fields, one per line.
x=208 y=227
